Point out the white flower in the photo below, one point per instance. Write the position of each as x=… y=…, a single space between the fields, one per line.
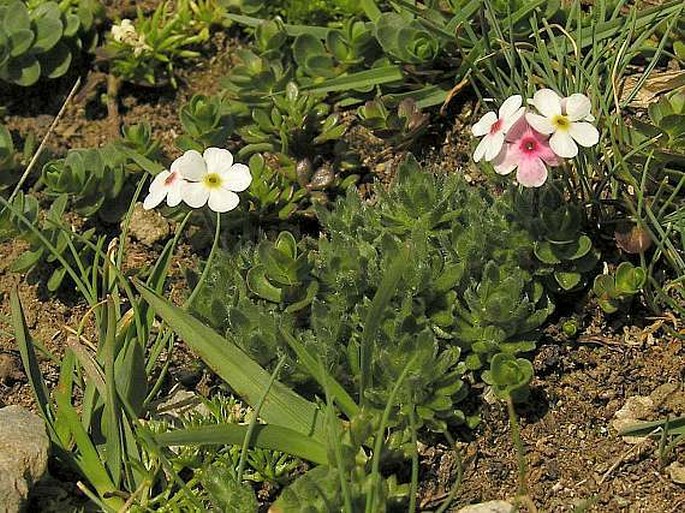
x=566 y=119
x=166 y=184
x=124 y=32
x=494 y=127
x=212 y=178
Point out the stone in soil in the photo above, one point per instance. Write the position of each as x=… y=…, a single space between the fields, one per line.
x=23 y=456
x=148 y=226
x=488 y=507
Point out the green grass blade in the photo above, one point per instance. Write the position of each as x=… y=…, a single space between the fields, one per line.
x=112 y=410
x=282 y=407
x=674 y=427
x=272 y=437
x=28 y=356
x=360 y=79
x=337 y=392
x=291 y=30
x=87 y=459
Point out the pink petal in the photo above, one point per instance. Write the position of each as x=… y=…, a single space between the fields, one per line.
x=517 y=130
x=531 y=172
x=506 y=161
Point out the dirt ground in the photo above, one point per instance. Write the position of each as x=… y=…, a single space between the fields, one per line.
x=575 y=457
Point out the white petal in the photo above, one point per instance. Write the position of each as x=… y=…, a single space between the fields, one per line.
x=191 y=165
x=589 y=118
x=577 y=106
x=547 y=102
x=563 y=145
x=153 y=199
x=483 y=125
x=480 y=149
x=218 y=160
x=510 y=106
x=237 y=178
x=540 y=123
x=511 y=120
x=158 y=183
x=222 y=200
x=494 y=145
x=174 y=194
x=584 y=133
x=195 y=194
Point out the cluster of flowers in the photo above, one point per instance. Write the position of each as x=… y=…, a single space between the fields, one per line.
x=125 y=33
x=528 y=141
x=211 y=178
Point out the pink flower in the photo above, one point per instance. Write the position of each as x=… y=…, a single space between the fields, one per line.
x=529 y=153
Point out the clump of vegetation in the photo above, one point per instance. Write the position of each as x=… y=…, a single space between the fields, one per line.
x=358 y=328
x=41 y=38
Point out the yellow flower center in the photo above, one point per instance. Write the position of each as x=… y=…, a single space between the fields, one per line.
x=561 y=122
x=212 y=180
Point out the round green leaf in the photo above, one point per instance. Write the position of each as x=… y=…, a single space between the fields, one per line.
x=72 y=25
x=20 y=42
x=4 y=49
x=567 y=281
x=16 y=18
x=48 y=33
x=55 y=63
x=24 y=71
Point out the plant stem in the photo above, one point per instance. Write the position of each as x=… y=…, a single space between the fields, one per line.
x=522 y=493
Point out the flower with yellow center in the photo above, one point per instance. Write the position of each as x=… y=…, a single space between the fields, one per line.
x=567 y=119
x=212 y=179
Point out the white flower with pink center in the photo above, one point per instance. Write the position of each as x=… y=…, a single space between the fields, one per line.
x=166 y=184
x=493 y=128
x=566 y=119
x=529 y=153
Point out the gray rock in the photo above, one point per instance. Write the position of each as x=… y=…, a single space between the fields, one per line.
x=148 y=226
x=23 y=455
x=488 y=507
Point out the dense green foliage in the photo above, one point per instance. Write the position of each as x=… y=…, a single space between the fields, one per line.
x=463 y=295
x=41 y=38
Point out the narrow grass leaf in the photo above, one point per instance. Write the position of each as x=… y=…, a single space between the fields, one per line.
x=337 y=392
x=282 y=407
x=28 y=355
x=277 y=438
